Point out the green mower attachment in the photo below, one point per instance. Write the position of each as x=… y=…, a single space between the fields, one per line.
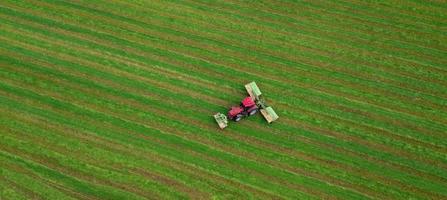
x=221 y=119
x=266 y=111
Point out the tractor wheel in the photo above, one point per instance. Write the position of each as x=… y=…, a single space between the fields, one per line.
x=254 y=111
x=238 y=117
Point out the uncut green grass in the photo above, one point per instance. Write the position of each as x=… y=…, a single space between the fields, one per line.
x=294 y=95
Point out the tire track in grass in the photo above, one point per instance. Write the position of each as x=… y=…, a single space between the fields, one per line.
x=359 y=156
x=360 y=103
x=323 y=132
x=192 y=194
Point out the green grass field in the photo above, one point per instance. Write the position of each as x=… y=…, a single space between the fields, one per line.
x=114 y=99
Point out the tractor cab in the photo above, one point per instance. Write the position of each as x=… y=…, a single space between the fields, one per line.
x=246 y=108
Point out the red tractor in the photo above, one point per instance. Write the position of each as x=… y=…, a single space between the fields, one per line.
x=247 y=108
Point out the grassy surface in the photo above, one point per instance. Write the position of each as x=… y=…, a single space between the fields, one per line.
x=114 y=99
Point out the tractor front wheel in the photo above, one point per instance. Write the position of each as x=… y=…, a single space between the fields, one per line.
x=254 y=111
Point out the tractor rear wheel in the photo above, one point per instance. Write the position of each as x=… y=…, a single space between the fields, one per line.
x=238 y=117
x=254 y=111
